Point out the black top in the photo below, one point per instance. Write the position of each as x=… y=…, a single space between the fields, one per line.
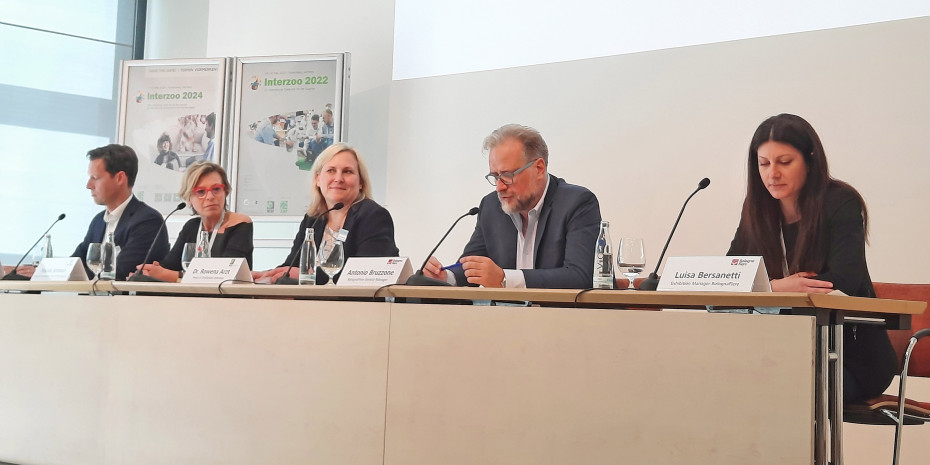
x=371 y=234
x=844 y=233
x=868 y=356
x=234 y=242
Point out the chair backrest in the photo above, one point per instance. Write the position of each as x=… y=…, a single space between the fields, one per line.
x=920 y=357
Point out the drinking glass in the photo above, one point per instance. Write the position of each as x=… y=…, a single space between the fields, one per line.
x=188 y=254
x=94 y=260
x=631 y=258
x=331 y=257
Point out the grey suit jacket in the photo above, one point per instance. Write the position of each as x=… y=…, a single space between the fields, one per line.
x=565 y=237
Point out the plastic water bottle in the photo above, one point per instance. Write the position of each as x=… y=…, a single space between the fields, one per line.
x=603 y=259
x=48 y=246
x=307 y=273
x=108 y=253
x=203 y=245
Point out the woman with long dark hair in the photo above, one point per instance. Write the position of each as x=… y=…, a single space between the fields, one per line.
x=811 y=231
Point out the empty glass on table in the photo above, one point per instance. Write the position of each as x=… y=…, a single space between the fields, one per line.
x=188 y=254
x=93 y=260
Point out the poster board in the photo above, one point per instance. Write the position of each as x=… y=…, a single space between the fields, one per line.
x=165 y=110
x=287 y=109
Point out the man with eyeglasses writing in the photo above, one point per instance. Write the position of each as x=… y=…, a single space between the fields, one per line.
x=111 y=175
x=535 y=230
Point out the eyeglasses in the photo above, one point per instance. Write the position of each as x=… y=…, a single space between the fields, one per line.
x=507 y=177
x=201 y=192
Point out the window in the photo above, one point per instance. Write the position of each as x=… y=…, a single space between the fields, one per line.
x=59 y=84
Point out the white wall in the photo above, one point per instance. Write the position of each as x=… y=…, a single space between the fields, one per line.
x=459 y=36
x=641 y=130
x=176 y=28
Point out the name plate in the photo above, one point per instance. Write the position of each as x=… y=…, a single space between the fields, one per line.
x=60 y=269
x=216 y=270
x=375 y=271
x=729 y=274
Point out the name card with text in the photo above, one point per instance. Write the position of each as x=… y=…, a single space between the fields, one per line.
x=60 y=269
x=730 y=274
x=216 y=270
x=375 y=271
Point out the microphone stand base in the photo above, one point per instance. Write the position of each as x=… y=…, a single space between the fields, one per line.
x=419 y=279
x=141 y=278
x=649 y=284
x=287 y=281
x=15 y=277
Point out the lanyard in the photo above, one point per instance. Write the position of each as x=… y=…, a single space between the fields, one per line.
x=216 y=228
x=784 y=255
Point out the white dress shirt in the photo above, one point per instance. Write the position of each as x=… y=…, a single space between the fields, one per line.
x=526 y=243
x=112 y=217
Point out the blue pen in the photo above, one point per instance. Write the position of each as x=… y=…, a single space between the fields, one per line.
x=454 y=265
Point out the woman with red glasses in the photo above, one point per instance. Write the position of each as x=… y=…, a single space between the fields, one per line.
x=206 y=187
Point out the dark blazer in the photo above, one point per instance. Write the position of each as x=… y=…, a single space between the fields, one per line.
x=134 y=234
x=371 y=234
x=565 y=238
x=868 y=356
x=235 y=242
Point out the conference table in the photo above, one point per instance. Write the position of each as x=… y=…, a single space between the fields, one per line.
x=120 y=372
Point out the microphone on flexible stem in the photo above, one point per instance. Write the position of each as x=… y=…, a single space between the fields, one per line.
x=13 y=276
x=138 y=276
x=286 y=277
x=652 y=282
x=418 y=279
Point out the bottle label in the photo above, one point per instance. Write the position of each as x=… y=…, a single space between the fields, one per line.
x=603 y=271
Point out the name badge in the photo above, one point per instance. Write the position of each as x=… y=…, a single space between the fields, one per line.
x=216 y=270
x=342 y=235
x=60 y=269
x=375 y=271
x=729 y=274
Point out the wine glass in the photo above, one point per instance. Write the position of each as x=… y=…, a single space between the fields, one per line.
x=631 y=258
x=331 y=257
x=93 y=260
x=188 y=254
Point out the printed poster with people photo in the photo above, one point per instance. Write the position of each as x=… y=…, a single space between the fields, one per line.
x=171 y=114
x=289 y=109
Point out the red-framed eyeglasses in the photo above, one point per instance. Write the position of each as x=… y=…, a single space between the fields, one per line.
x=216 y=189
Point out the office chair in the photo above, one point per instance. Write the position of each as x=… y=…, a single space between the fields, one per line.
x=898 y=410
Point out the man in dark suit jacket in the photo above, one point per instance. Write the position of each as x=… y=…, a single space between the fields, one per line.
x=535 y=230
x=112 y=173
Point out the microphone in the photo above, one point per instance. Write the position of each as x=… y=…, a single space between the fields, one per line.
x=652 y=282
x=13 y=276
x=418 y=279
x=138 y=276
x=286 y=278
